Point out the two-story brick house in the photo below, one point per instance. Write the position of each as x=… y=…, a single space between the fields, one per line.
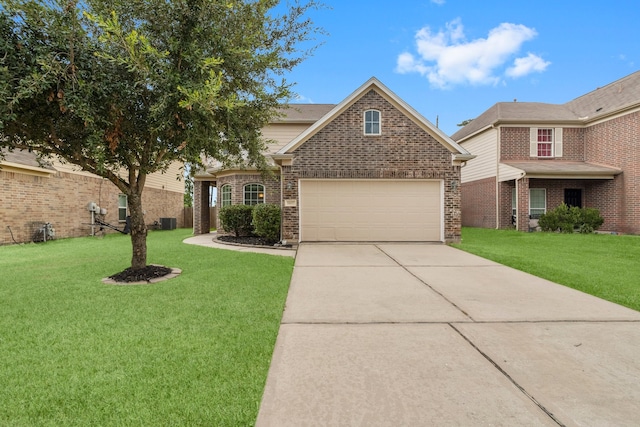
x=367 y=169
x=533 y=156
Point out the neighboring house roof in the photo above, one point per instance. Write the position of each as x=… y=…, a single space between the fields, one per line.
x=21 y=159
x=290 y=114
x=610 y=99
x=303 y=113
x=373 y=83
x=563 y=169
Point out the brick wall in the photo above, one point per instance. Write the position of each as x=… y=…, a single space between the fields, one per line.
x=238 y=181
x=478 y=203
x=201 y=219
x=402 y=151
x=62 y=200
x=522 y=214
x=514 y=144
x=505 y=192
x=615 y=143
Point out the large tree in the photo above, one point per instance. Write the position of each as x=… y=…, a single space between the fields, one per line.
x=122 y=88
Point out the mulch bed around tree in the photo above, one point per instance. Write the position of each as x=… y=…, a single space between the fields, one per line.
x=141 y=275
x=246 y=240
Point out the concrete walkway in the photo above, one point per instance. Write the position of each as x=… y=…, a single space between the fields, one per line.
x=427 y=335
x=208 y=240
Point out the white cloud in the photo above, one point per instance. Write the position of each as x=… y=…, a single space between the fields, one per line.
x=446 y=58
x=438 y=2
x=527 y=65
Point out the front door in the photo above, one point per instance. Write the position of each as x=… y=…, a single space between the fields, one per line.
x=573 y=197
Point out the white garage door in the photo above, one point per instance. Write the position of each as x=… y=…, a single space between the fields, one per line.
x=370 y=210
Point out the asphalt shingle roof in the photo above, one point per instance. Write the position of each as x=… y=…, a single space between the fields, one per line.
x=304 y=113
x=23 y=157
x=605 y=100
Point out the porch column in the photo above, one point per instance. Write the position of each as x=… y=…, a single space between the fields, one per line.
x=201 y=220
x=523 y=204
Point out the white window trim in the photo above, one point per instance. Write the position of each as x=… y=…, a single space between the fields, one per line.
x=556 y=143
x=222 y=193
x=364 y=122
x=544 y=190
x=125 y=207
x=244 y=194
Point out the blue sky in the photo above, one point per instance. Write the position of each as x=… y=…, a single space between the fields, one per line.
x=453 y=59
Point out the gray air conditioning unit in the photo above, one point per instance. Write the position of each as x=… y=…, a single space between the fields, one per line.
x=167 y=223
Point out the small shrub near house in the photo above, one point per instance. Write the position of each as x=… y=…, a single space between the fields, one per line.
x=237 y=219
x=567 y=219
x=266 y=222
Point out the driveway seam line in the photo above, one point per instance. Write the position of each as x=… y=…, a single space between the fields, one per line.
x=459 y=322
x=426 y=284
x=509 y=377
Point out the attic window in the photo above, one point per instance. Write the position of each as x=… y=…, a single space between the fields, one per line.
x=372 y=122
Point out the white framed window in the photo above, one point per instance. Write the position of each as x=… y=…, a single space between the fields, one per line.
x=372 y=122
x=253 y=194
x=225 y=195
x=537 y=202
x=122 y=208
x=514 y=202
x=545 y=142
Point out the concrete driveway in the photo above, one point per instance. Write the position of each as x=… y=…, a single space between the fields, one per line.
x=427 y=335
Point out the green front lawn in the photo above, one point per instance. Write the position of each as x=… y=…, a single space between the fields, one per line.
x=607 y=266
x=194 y=350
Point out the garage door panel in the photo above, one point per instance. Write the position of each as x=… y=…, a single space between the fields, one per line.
x=370 y=210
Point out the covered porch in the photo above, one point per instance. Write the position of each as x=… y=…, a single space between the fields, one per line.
x=527 y=189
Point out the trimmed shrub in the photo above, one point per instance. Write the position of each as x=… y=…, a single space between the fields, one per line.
x=237 y=219
x=590 y=220
x=266 y=222
x=567 y=219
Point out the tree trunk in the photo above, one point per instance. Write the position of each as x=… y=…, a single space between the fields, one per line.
x=138 y=231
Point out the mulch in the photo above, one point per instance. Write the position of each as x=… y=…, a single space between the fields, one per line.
x=142 y=274
x=246 y=240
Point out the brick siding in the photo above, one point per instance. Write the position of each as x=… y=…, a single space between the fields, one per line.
x=615 y=143
x=505 y=192
x=403 y=151
x=62 y=200
x=238 y=181
x=514 y=144
x=478 y=203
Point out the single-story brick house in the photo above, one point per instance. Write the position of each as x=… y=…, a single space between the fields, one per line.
x=531 y=157
x=59 y=193
x=370 y=168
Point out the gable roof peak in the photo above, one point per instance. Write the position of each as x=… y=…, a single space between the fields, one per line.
x=391 y=97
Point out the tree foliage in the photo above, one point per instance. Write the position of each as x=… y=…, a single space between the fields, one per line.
x=123 y=88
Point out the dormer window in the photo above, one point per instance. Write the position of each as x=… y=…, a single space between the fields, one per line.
x=372 y=122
